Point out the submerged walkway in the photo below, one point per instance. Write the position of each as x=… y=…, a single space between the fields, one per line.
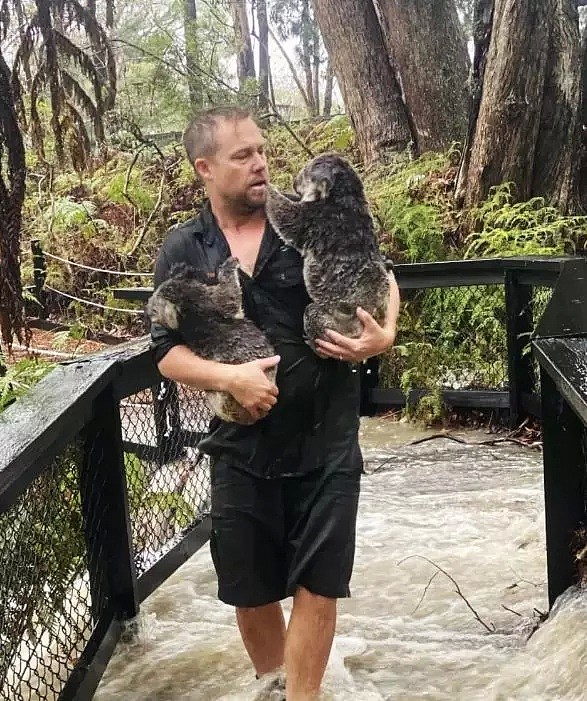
x=477 y=512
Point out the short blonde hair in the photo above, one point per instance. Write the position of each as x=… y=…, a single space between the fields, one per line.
x=199 y=136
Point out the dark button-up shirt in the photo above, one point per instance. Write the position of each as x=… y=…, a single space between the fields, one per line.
x=318 y=404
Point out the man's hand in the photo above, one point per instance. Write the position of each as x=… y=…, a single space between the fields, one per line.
x=251 y=388
x=374 y=340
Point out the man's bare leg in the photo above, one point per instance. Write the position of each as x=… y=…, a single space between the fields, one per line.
x=262 y=629
x=308 y=644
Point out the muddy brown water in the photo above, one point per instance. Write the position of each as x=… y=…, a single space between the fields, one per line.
x=477 y=512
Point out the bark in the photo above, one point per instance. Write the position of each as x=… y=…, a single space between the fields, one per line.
x=190 y=29
x=526 y=130
x=12 y=192
x=427 y=45
x=263 y=54
x=244 y=48
x=354 y=41
x=328 y=89
x=482 y=26
x=556 y=164
x=583 y=172
x=307 y=55
x=317 y=62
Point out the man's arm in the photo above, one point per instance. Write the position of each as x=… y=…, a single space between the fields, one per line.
x=374 y=340
x=247 y=382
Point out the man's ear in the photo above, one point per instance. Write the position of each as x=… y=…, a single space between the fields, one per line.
x=202 y=168
x=324 y=187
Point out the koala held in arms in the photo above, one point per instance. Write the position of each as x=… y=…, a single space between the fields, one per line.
x=333 y=230
x=210 y=319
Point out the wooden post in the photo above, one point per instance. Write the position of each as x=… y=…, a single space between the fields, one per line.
x=39 y=276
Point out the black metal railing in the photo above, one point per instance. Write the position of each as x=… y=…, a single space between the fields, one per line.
x=100 y=501
x=103 y=492
x=560 y=346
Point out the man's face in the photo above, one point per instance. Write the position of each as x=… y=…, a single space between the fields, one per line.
x=237 y=172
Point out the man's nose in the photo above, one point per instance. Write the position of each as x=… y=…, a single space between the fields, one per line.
x=260 y=162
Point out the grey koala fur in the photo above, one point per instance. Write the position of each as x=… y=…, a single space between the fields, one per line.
x=210 y=319
x=333 y=230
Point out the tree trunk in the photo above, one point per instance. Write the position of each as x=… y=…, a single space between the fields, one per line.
x=427 y=46
x=317 y=62
x=245 y=61
x=328 y=89
x=526 y=130
x=556 y=163
x=583 y=173
x=263 y=54
x=190 y=29
x=307 y=53
x=12 y=192
x=372 y=96
x=482 y=26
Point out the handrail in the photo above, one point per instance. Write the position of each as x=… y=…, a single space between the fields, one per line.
x=536 y=270
x=42 y=422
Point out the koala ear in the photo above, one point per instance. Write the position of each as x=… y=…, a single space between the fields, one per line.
x=324 y=186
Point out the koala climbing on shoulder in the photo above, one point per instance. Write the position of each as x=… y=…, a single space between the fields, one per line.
x=332 y=228
x=210 y=319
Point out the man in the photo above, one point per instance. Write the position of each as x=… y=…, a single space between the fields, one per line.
x=284 y=490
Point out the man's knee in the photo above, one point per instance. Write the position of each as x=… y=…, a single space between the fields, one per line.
x=321 y=605
x=254 y=612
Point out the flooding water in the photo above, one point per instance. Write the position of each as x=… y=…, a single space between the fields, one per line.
x=476 y=512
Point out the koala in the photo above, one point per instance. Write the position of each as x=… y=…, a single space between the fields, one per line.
x=210 y=319
x=332 y=228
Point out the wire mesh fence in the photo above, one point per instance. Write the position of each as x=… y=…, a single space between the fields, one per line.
x=451 y=338
x=46 y=611
x=540 y=298
x=168 y=478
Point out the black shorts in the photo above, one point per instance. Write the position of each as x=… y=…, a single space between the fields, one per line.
x=270 y=536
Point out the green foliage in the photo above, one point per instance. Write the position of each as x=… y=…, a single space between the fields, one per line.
x=135 y=192
x=181 y=514
x=411 y=218
x=20 y=377
x=42 y=549
x=504 y=227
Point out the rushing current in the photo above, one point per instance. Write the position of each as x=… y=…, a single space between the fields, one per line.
x=410 y=631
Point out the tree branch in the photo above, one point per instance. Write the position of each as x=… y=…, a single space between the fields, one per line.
x=457 y=589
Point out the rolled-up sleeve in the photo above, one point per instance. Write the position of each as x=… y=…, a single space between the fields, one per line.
x=162 y=338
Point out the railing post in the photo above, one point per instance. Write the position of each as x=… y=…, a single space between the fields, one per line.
x=39 y=276
x=564 y=485
x=369 y=379
x=107 y=525
x=519 y=322
x=166 y=406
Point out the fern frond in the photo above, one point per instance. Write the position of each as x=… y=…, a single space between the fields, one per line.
x=81 y=98
x=98 y=37
x=36 y=128
x=84 y=63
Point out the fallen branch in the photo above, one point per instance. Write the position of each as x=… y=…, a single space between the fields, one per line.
x=490 y=629
x=425 y=591
x=503 y=606
x=155 y=209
